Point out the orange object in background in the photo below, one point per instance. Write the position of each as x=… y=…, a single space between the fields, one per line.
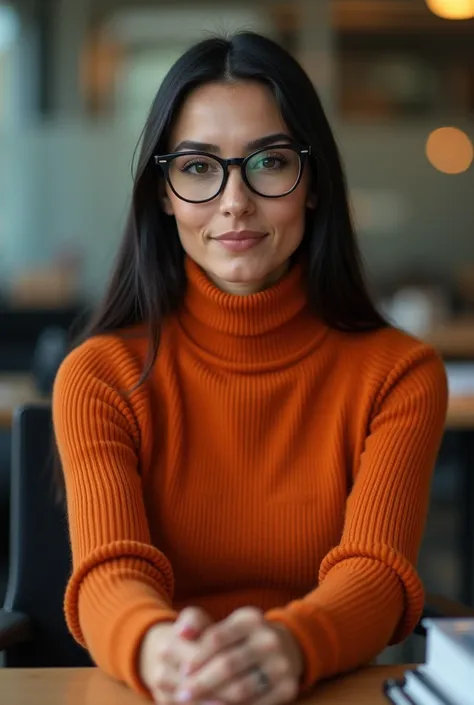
x=52 y=286
x=452 y=9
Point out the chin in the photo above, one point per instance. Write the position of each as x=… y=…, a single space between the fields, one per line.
x=241 y=271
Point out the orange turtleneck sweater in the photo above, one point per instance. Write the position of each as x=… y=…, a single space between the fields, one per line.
x=266 y=461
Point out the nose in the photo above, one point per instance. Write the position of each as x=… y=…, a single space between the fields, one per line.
x=236 y=199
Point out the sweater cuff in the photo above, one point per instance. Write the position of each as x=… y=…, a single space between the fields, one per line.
x=313 y=634
x=129 y=635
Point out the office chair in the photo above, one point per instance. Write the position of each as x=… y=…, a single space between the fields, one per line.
x=33 y=632
x=5 y=472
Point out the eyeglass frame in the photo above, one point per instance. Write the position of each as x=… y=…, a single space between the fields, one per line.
x=164 y=160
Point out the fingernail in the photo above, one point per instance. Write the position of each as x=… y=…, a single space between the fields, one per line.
x=183 y=696
x=188 y=630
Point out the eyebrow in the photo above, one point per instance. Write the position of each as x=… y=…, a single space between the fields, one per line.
x=251 y=146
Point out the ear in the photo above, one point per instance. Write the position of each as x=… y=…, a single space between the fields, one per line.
x=166 y=205
x=165 y=200
x=311 y=201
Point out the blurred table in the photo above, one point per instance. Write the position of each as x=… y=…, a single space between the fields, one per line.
x=454 y=339
x=15 y=390
x=89 y=686
x=460 y=413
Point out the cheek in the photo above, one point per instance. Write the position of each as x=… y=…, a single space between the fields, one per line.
x=190 y=218
x=287 y=214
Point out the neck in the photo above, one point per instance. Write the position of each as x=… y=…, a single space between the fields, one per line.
x=262 y=331
x=246 y=288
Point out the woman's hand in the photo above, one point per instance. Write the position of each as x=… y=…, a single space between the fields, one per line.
x=165 y=651
x=243 y=658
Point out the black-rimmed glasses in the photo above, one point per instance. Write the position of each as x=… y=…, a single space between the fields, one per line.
x=197 y=177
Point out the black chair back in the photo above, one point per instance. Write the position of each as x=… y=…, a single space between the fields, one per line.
x=40 y=561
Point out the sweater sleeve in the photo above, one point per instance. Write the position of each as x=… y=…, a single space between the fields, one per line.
x=120 y=585
x=369 y=594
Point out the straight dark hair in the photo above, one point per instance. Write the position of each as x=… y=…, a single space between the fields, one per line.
x=148 y=280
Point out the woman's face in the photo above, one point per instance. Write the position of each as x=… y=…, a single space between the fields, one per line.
x=230 y=117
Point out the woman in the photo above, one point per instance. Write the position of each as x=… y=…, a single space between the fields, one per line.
x=247 y=445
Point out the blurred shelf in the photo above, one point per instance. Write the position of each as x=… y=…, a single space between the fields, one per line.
x=16 y=390
x=454 y=339
x=460 y=413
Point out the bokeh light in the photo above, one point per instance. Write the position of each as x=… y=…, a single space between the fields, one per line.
x=452 y=9
x=450 y=150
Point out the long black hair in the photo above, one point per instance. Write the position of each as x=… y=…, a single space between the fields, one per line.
x=148 y=279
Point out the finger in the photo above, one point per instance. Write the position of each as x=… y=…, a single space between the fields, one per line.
x=164 y=682
x=165 y=698
x=284 y=691
x=191 y=622
x=249 y=686
x=231 y=675
x=172 y=701
x=165 y=685
x=229 y=663
x=220 y=636
x=221 y=669
x=177 y=652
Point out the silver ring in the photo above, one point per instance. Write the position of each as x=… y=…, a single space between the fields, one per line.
x=263 y=681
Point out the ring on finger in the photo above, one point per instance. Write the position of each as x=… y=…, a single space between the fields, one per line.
x=262 y=679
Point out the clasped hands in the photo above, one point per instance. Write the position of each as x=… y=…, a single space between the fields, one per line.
x=242 y=659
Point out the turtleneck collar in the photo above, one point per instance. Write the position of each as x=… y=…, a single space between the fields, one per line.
x=271 y=328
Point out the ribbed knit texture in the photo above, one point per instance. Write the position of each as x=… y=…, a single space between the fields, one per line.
x=267 y=461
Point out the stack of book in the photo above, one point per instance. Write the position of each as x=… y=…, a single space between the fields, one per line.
x=447 y=677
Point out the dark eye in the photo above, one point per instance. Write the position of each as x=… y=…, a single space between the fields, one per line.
x=199 y=167
x=269 y=162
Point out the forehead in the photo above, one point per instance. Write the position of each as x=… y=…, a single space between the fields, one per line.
x=228 y=114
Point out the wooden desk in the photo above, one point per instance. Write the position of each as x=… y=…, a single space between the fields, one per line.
x=15 y=390
x=88 y=686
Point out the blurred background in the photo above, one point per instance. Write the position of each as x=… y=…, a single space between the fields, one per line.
x=397 y=80
x=77 y=80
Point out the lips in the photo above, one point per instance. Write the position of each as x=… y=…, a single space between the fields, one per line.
x=236 y=235
x=240 y=240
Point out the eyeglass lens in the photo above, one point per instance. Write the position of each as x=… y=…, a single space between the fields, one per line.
x=270 y=172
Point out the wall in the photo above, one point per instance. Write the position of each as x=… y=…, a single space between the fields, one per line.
x=420 y=216
x=72 y=184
